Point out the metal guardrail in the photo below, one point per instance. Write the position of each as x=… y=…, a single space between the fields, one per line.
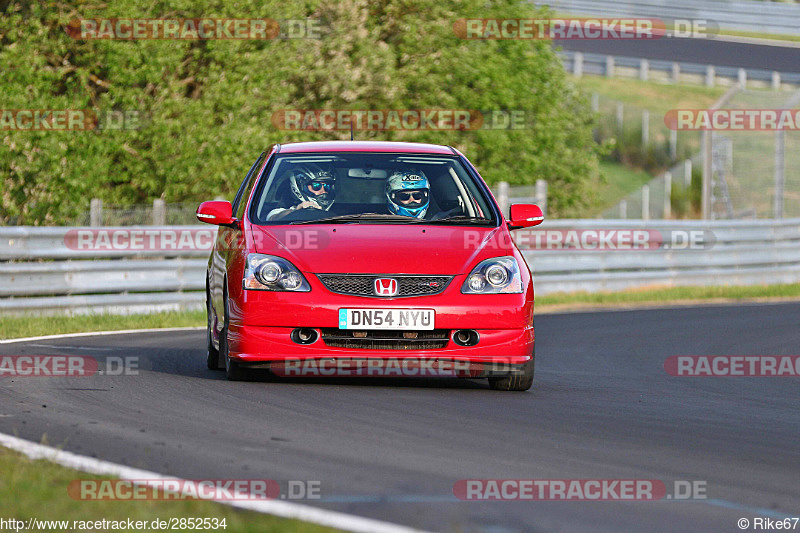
x=744 y=253
x=580 y=63
x=40 y=274
x=765 y=17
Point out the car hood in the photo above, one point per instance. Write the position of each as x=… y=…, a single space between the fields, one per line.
x=382 y=249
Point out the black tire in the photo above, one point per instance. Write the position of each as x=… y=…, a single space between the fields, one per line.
x=521 y=381
x=213 y=360
x=233 y=370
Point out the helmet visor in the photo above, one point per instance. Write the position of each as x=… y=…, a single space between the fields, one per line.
x=321 y=186
x=410 y=198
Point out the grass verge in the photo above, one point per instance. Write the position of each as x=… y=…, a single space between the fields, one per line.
x=38 y=489
x=666 y=296
x=29 y=326
x=33 y=325
x=658 y=98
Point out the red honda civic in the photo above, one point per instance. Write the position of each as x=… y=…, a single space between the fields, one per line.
x=350 y=258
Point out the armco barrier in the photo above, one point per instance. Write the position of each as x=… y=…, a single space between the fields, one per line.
x=39 y=273
x=742 y=15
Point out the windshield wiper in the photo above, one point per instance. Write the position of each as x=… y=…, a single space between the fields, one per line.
x=343 y=219
x=459 y=219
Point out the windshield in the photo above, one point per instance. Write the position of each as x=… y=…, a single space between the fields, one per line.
x=369 y=188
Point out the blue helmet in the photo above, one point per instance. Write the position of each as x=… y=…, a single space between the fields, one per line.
x=407 y=194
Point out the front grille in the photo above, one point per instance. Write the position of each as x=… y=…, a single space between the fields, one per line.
x=363 y=284
x=385 y=339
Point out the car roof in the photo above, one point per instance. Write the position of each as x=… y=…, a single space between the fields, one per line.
x=365 y=146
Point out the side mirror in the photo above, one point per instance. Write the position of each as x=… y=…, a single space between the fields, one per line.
x=525 y=216
x=218 y=212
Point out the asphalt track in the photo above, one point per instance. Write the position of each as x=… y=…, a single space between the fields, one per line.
x=602 y=408
x=703 y=51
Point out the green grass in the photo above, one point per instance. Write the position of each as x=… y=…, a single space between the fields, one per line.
x=654 y=96
x=38 y=489
x=669 y=295
x=760 y=35
x=34 y=325
x=617 y=182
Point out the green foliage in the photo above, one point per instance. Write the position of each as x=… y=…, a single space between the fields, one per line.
x=687 y=201
x=207 y=105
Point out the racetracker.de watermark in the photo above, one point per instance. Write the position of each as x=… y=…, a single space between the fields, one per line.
x=598 y=240
x=140 y=239
x=193 y=489
x=733 y=365
x=401 y=119
x=171 y=239
x=577 y=490
x=128 y=29
x=582 y=28
x=67 y=366
x=389 y=367
x=69 y=120
x=733 y=119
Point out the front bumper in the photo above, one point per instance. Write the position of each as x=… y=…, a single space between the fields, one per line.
x=256 y=344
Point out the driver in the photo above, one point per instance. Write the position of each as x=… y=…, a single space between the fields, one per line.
x=312 y=187
x=407 y=194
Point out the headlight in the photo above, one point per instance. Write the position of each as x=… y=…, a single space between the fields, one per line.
x=498 y=275
x=270 y=273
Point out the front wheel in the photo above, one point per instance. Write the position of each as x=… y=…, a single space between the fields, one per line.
x=212 y=357
x=233 y=370
x=521 y=381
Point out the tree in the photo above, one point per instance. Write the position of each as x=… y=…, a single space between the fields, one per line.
x=205 y=107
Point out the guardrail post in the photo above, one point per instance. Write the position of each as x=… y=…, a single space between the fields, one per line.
x=645 y=129
x=623 y=209
x=96 y=212
x=644 y=69
x=780 y=168
x=776 y=80
x=668 y=194
x=577 y=64
x=502 y=197
x=541 y=194
x=707 y=146
x=159 y=212
x=687 y=172
x=609 y=66
x=676 y=72
x=673 y=145
x=645 y=202
x=742 y=78
x=711 y=76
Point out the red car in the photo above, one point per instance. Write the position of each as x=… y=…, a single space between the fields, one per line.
x=350 y=258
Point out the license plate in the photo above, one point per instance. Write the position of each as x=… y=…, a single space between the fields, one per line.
x=419 y=319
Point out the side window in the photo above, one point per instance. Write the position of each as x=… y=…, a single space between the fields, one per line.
x=247 y=185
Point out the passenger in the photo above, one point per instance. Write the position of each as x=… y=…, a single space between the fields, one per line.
x=407 y=194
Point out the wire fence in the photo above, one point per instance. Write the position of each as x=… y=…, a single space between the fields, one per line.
x=756 y=174
x=672 y=195
x=159 y=213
